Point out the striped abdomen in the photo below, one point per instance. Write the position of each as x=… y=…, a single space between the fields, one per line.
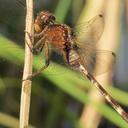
x=108 y=98
x=75 y=63
x=74 y=59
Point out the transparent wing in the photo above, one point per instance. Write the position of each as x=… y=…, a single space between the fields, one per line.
x=100 y=58
x=104 y=61
x=90 y=31
x=87 y=36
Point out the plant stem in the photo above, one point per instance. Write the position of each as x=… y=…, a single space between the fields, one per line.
x=26 y=85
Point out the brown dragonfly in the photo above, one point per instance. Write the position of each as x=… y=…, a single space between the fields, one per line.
x=49 y=32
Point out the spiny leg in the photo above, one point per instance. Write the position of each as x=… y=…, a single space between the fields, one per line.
x=65 y=56
x=41 y=34
x=37 y=45
x=30 y=46
x=37 y=35
x=46 y=63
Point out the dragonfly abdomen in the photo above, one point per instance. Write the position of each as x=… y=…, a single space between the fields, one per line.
x=74 y=59
x=108 y=98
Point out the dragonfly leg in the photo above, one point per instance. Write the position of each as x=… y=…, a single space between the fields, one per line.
x=38 y=35
x=30 y=46
x=65 y=55
x=38 y=46
x=46 y=63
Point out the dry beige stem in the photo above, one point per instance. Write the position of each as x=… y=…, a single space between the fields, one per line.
x=90 y=118
x=26 y=85
x=89 y=114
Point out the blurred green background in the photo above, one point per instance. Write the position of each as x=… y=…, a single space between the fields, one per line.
x=58 y=94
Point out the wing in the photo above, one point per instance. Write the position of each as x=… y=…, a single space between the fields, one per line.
x=87 y=36
x=89 y=31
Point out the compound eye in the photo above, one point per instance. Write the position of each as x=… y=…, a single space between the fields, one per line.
x=42 y=17
x=52 y=17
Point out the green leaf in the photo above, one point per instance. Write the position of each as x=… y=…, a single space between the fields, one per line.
x=69 y=81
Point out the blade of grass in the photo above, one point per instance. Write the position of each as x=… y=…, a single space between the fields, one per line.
x=67 y=83
x=62 y=9
x=9 y=121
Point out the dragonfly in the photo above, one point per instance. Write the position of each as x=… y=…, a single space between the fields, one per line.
x=49 y=32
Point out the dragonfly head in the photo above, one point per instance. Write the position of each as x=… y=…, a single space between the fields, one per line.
x=42 y=20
